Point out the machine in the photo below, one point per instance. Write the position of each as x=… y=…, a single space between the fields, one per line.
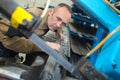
x=94 y=44
x=99 y=18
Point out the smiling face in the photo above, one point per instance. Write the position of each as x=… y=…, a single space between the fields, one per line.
x=58 y=17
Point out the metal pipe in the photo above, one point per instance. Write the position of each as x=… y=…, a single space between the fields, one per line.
x=45 y=10
x=103 y=41
x=112 y=6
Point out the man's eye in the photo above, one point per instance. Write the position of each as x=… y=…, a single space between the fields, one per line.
x=59 y=19
x=64 y=24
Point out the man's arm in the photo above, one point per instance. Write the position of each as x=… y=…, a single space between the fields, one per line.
x=15 y=43
x=19 y=44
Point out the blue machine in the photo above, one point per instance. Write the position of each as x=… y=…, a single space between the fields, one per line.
x=106 y=60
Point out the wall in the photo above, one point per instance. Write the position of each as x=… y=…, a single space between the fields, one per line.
x=41 y=3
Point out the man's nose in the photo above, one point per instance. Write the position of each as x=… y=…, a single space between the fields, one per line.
x=59 y=24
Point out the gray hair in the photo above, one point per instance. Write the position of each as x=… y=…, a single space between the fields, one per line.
x=65 y=5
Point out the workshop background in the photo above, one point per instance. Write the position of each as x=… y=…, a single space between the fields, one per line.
x=41 y=3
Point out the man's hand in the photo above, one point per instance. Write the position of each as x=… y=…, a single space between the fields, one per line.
x=54 y=46
x=60 y=35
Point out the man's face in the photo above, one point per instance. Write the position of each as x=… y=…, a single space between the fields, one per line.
x=58 y=18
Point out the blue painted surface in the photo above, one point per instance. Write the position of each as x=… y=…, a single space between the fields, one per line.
x=99 y=34
x=101 y=12
x=108 y=60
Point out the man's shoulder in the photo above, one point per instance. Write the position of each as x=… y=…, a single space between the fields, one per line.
x=4 y=25
x=4 y=21
x=36 y=11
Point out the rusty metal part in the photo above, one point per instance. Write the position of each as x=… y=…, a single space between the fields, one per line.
x=88 y=71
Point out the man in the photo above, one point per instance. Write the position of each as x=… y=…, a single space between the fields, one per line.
x=54 y=20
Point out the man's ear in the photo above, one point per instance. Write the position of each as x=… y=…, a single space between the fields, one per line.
x=51 y=11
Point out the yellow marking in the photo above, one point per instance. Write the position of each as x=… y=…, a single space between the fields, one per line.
x=19 y=15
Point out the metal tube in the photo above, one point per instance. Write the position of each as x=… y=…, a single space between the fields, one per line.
x=103 y=41
x=7 y=7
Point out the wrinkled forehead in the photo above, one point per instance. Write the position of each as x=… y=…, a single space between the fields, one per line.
x=63 y=13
